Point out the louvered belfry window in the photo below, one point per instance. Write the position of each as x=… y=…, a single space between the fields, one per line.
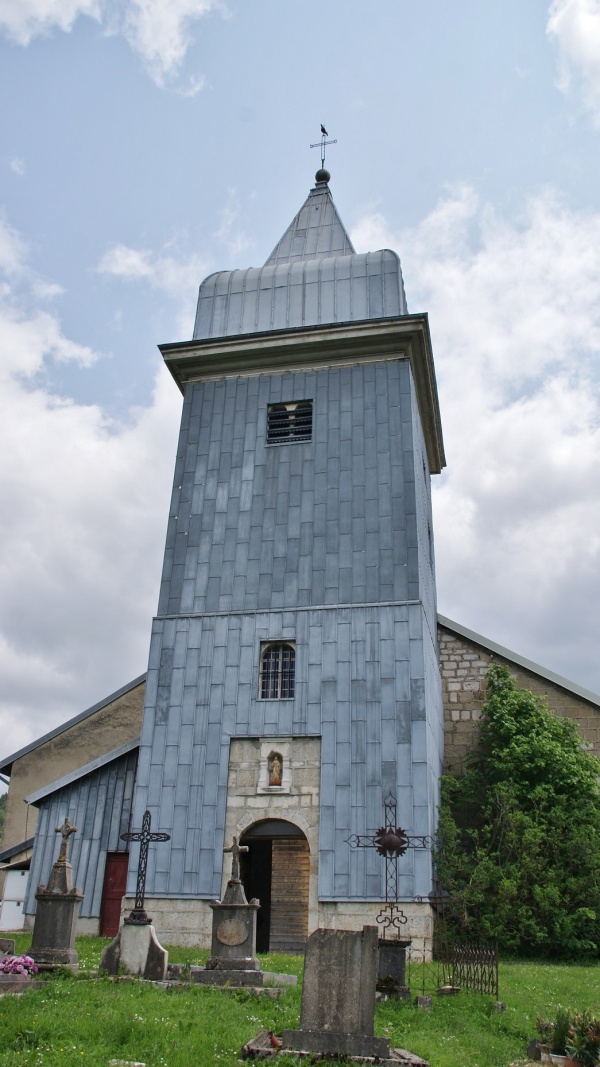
x=277 y=671
x=289 y=423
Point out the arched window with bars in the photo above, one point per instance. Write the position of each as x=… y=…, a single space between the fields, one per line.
x=277 y=671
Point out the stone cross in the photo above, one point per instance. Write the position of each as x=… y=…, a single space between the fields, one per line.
x=235 y=850
x=66 y=830
x=138 y=916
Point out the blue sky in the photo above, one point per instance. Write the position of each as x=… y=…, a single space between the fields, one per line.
x=146 y=143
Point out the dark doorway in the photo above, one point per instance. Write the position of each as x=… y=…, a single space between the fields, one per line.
x=115 y=884
x=276 y=870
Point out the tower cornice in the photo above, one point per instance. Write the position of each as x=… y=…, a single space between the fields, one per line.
x=406 y=337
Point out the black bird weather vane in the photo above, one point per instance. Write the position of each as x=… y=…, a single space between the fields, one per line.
x=321 y=144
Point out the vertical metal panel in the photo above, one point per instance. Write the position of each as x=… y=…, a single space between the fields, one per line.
x=99 y=804
x=292 y=522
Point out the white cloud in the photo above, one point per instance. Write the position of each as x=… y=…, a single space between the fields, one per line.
x=84 y=501
x=178 y=276
x=575 y=25
x=515 y=317
x=17 y=165
x=159 y=31
x=23 y=20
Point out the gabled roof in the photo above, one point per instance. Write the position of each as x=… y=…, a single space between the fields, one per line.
x=81 y=772
x=514 y=657
x=15 y=849
x=6 y=764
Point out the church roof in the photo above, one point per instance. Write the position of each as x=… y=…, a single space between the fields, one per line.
x=521 y=661
x=317 y=231
x=312 y=277
x=6 y=764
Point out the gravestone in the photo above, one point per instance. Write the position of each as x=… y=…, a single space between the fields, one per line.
x=233 y=960
x=391 y=971
x=338 y=996
x=53 y=942
x=136 y=949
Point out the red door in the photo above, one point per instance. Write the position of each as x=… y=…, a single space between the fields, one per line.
x=115 y=883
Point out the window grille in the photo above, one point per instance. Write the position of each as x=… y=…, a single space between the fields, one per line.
x=289 y=422
x=277 y=672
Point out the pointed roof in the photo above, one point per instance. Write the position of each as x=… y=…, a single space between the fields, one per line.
x=313 y=277
x=317 y=231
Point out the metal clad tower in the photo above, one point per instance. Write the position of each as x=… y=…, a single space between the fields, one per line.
x=293 y=679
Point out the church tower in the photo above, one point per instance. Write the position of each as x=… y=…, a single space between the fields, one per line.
x=293 y=681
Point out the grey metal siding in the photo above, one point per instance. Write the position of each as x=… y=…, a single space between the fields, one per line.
x=329 y=521
x=348 y=288
x=99 y=805
x=321 y=543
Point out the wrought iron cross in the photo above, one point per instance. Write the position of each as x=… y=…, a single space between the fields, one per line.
x=66 y=830
x=391 y=842
x=138 y=916
x=235 y=850
x=321 y=144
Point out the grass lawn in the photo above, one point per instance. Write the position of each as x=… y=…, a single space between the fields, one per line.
x=78 y=1021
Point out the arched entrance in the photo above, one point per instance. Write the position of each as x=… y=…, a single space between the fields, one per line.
x=276 y=870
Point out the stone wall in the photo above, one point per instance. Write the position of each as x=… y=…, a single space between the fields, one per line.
x=110 y=726
x=250 y=799
x=464 y=664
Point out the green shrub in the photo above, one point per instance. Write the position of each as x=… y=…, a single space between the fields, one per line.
x=519 y=833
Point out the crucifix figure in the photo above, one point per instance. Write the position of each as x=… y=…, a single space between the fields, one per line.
x=235 y=850
x=66 y=830
x=138 y=916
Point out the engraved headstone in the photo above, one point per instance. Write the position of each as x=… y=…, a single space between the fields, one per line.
x=338 y=996
x=53 y=942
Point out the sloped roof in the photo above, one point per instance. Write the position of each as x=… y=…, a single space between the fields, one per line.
x=81 y=772
x=317 y=231
x=6 y=764
x=312 y=277
x=521 y=661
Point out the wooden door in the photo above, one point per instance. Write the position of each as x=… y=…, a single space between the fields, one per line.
x=115 y=884
x=289 y=894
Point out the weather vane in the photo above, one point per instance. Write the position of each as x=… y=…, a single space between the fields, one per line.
x=321 y=144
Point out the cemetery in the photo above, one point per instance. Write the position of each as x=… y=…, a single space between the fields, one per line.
x=68 y=1019
x=354 y=997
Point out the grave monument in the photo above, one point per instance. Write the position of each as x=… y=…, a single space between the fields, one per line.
x=233 y=960
x=338 y=996
x=136 y=949
x=53 y=943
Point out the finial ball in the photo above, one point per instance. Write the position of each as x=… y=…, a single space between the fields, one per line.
x=322 y=175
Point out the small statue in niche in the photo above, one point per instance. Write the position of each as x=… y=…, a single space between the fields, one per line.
x=275 y=767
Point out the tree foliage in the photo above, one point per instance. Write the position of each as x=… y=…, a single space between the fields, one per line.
x=519 y=833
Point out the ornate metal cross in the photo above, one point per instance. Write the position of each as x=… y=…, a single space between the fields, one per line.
x=138 y=916
x=390 y=841
x=235 y=850
x=66 y=830
x=321 y=144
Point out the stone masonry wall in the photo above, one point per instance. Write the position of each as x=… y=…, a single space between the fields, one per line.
x=113 y=725
x=464 y=665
